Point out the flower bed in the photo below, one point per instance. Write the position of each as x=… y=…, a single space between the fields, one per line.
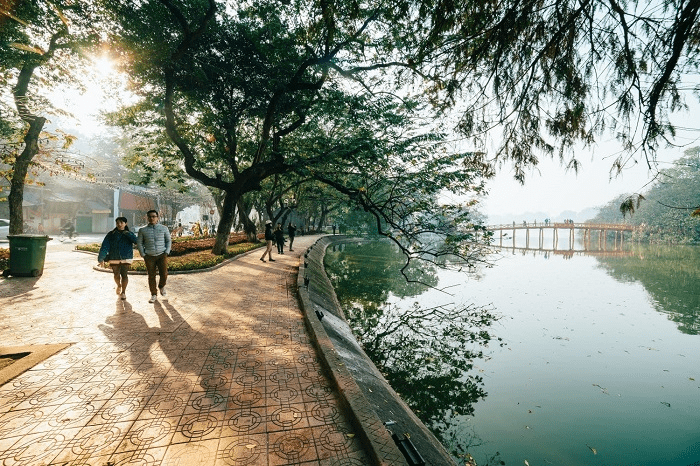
x=199 y=259
x=182 y=246
x=190 y=253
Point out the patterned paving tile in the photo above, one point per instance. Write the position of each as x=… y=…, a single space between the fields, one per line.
x=222 y=373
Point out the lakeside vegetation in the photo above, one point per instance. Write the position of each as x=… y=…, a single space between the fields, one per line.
x=669 y=211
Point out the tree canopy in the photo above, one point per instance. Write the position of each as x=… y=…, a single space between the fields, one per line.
x=549 y=75
x=284 y=89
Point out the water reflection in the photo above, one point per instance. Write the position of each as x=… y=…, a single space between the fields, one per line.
x=671 y=276
x=426 y=353
x=594 y=357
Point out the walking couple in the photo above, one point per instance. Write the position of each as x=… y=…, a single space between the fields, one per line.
x=153 y=242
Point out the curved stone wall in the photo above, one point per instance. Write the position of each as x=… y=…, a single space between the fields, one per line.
x=367 y=395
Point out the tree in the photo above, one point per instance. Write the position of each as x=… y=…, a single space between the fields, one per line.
x=667 y=212
x=244 y=92
x=38 y=47
x=664 y=212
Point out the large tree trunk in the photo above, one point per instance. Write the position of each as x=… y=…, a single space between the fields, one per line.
x=322 y=218
x=224 y=230
x=19 y=174
x=248 y=225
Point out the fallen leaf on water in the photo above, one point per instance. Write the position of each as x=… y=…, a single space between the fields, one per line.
x=526 y=463
x=690 y=378
x=592 y=449
x=668 y=405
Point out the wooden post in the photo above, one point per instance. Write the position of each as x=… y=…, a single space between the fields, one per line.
x=527 y=237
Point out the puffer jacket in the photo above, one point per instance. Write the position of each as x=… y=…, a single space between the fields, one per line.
x=118 y=244
x=154 y=240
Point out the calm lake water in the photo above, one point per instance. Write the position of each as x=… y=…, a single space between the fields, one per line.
x=601 y=362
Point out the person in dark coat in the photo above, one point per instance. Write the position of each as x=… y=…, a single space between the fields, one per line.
x=118 y=249
x=291 y=231
x=279 y=238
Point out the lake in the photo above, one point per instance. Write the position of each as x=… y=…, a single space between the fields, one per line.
x=598 y=361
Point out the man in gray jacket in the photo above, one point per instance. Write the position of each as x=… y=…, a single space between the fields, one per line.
x=154 y=246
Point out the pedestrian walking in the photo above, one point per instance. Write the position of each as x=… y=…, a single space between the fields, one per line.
x=291 y=231
x=279 y=238
x=154 y=245
x=118 y=250
x=269 y=237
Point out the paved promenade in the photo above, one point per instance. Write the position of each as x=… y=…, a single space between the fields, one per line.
x=220 y=373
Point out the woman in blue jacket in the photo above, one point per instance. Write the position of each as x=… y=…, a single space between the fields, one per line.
x=118 y=249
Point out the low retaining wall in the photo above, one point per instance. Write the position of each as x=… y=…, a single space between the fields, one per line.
x=365 y=392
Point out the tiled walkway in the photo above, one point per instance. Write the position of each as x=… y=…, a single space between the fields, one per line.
x=221 y=373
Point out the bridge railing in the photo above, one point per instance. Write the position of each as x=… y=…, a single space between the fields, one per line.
x=583 y=225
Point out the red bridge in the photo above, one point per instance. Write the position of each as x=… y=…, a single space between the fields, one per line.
x=587 y=228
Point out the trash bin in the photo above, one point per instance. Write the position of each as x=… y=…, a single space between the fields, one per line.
x=27 y=255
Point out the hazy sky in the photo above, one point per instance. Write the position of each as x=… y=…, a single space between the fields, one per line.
x=553 y=190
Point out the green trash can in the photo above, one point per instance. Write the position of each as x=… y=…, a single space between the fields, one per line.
x=27 y=255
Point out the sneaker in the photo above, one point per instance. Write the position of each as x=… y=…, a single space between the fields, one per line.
x=123 y=295
x=163 y=293
x=153 y=299
x=119 y=290
x=271 y=260
x=262 y=259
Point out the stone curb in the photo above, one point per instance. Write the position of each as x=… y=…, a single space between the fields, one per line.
x=374 y=434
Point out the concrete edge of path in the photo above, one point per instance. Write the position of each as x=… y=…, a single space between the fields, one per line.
x=36 y=354
x=364 y=391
